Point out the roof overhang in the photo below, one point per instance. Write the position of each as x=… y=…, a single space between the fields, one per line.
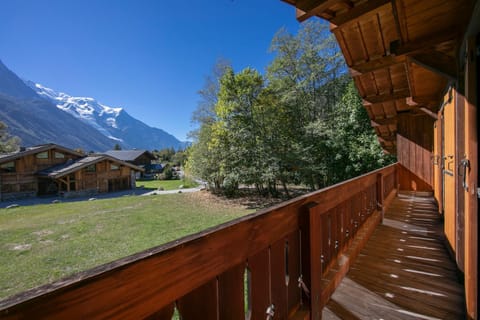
x=37 y=149
x=402 y=54
x=62 y=170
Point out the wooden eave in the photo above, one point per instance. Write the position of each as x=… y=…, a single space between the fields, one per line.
x=38 y=149
x=401 y=53
x=65 y=169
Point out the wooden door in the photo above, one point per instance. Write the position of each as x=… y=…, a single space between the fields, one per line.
x=437 y=164
x=449 y=172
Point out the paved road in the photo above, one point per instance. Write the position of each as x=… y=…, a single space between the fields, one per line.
x=134 y=192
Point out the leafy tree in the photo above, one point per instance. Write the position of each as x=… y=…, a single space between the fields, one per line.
x=117 y=147
x=202 y=162
x=301 y=124
x=179 y=158
x=7 y=142
x=165 y=155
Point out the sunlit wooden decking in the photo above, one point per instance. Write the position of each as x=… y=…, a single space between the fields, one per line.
x=404 y=271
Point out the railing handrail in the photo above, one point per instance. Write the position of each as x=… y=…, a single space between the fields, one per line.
x=205 y=253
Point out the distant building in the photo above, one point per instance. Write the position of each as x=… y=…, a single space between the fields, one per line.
x=52 y=169
x=141 y=158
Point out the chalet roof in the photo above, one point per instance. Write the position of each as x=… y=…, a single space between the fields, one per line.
x=129 y=155
x=401 y=54
x=71 y=166
x=36 y=149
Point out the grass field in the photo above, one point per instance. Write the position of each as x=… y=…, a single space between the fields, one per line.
x=44 y=243
x=166 y=184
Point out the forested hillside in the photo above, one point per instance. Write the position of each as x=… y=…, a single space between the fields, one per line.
x=301 y=123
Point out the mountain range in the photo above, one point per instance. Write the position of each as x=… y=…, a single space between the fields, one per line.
x=38 y=115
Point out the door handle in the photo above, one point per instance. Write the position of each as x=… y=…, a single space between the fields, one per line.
x=462 y=172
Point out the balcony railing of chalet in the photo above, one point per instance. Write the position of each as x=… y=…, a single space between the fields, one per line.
x=282 y=262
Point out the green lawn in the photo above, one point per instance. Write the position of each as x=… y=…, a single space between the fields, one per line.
x=166 y=184
x=43 y=243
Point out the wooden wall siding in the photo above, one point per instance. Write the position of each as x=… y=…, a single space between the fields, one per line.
x=414 y=151
x=312 y=238
x=100 y=179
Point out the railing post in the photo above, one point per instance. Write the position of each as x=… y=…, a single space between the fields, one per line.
x=380 y=195
x=396 y=177
x=314 y=267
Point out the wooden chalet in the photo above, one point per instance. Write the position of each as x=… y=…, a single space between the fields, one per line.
x=92 y=174
x=52 y=169
x=397 y=243
x=18 y=170
x=140 y=158
x=136 y=157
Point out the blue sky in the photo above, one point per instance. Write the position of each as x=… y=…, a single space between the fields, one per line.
x=147 y=56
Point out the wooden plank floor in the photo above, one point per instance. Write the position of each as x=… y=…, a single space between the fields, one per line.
x=404 y=271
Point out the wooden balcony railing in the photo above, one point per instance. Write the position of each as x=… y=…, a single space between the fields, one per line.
x=279 y=263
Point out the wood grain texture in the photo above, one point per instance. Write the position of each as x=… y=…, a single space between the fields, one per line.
x=191 y=270
x=404 y=271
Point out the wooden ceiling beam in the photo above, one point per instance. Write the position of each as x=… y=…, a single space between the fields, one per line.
x=390 y=149
x=422 y=45
x=431 y=101
x=389 y=138
x=310 y=8
x=398 y=11
x=437 y=62
x=383 y=122
x=419 y=104
x=428 y=112
x=376 y=64
x=404 y=93
x=358 y=11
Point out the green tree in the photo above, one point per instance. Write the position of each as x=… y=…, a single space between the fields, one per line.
x=7 y=142
x=202 y=162
x=117 y=147
x=301 y=124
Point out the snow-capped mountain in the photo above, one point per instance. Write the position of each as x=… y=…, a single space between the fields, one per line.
x=113 y=123
x=38 y=115
x=87 y=109
x=36 y=120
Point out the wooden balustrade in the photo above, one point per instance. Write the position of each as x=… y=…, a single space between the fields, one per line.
x=285 y=260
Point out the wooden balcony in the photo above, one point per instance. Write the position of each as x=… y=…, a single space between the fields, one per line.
x=404 y=271
x=281 y=263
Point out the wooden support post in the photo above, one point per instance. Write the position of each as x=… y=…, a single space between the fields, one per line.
x=315 y=242
x=380 y=196
x=396 y=180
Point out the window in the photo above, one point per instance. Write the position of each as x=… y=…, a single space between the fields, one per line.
x=91 y=168
x=114 y=167
x=8 y=167
x=42 y=155
x=59 y=155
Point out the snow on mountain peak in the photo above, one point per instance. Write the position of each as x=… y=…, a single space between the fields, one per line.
x=89 y=110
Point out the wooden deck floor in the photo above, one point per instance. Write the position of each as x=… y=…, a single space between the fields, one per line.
x=404 y=271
